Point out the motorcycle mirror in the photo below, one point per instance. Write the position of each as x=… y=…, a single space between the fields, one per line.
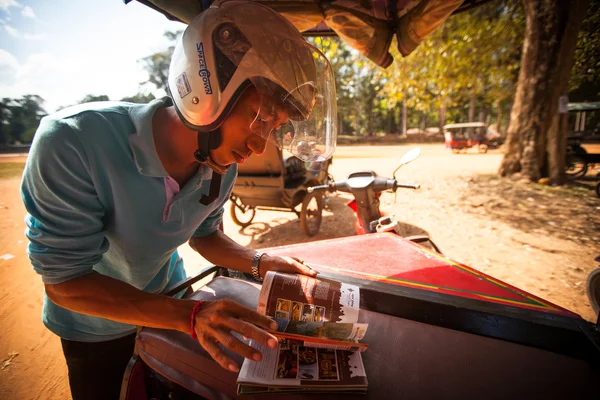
x=409 y=156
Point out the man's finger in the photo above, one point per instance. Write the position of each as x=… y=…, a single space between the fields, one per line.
x=237 y=346
x=237 y=310
x=251 y=331
x=218 y=355
x=306 y=269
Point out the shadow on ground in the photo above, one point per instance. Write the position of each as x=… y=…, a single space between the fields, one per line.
x=570 y=212
x=338 y=221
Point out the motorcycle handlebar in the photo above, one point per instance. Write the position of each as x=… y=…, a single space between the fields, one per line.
x=380 y=186
x=407 y=185
x=319 y=188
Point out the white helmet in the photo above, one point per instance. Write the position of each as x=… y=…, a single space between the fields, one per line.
x=235 y=44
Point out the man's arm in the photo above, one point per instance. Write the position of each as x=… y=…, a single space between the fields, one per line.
x=66 y=233
x=102 y=296
x=221 y=250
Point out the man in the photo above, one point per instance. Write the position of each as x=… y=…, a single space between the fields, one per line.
x=112 y=189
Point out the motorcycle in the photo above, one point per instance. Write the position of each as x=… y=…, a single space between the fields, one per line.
x=592 y=287
x=366 y=187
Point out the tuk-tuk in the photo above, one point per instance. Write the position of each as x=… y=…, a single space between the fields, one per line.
x=463 y=136
x=583 y=138
x=273 y=181
x=438 y=328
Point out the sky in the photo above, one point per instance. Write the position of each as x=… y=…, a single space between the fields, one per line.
x=63 y=50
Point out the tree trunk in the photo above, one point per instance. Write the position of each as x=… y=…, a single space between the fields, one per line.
x=548 y=49
x=472 y=106
x=471 y=111
x=370 y=120
x=557 y=148
x=393 y=120
x=499 y=118
x=442 y=115
x=404 y=116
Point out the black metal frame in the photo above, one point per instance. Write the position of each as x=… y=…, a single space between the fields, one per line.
x=572 y=337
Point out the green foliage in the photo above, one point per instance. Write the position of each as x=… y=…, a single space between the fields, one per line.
x=471 y=60
x=140 y=98
x=19 y=118
x=157 y=64
x=90 y=98
x=585 y=75
x=474 y=54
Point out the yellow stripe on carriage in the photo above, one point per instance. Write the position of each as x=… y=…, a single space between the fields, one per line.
x=539 y=303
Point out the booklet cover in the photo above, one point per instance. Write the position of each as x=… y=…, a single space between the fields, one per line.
x=319 y=348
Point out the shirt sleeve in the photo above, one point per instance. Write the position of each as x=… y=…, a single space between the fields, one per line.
x=212 y=223
x=64 y=215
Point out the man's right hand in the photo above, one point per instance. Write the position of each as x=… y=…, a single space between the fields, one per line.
x=216 y=321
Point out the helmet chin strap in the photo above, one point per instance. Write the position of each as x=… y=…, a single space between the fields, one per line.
x=206 y=142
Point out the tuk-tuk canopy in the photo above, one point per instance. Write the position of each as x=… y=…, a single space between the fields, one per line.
x=366 y=25
x=584 y=106
x=465 y=125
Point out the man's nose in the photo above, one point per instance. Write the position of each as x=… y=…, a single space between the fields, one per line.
x=257 y=144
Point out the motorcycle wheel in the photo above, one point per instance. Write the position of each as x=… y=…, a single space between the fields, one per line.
x=311 y=214
x=576 y=166
x=592 y=287
x=242 y=216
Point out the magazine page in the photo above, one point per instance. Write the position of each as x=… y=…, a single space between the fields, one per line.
x=293 y=365
x=338 y=335
x=303 y=298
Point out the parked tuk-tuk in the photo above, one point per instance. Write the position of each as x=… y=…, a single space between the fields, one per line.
x=463 y=136
x=583 y=138
x=276 y=182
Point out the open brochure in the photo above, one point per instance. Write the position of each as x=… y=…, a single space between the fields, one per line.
x=319 y=333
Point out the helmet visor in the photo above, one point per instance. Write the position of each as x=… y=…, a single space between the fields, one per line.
x=294 y=80
x=300 y=119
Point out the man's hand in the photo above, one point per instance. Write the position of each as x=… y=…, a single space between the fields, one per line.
x=292 y=265
x=215 y=323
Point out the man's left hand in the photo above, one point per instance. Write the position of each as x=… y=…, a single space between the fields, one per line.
x=292 y=265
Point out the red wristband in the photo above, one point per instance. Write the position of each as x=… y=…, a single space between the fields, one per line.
x=193 y=318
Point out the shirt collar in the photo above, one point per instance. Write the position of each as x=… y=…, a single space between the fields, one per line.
x=142 y=140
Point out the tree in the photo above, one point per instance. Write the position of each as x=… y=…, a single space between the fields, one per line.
x=140 y=98
x=21 y=118
x=92 y=97
x=4 y=120
x=342 y=60
x=157 y=64
x=535 y=144
x=584 y=84
x=469 y=63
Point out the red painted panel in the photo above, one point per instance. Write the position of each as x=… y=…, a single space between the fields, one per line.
x=397 y=261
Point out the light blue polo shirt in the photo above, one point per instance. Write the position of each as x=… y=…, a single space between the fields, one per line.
x=97 y=199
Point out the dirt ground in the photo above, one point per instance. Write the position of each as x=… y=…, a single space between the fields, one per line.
x=538 y=238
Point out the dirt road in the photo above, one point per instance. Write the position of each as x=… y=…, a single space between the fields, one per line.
x=540 y=239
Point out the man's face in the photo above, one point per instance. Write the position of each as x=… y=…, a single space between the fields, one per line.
x=246 y=129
